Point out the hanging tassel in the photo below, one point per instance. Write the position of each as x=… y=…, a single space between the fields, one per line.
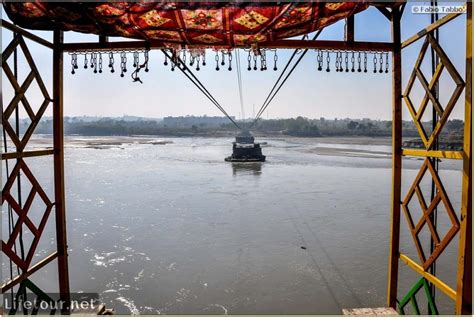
x=365 y=62
x=111 y=62
x=146 y=60
x=346 y=60
x=275 y=60
x=92 y=60
x=328 y=61
x=375 y=62
x=96 y=63
x=73 y=63
x=319 y=60
x=353 y=62
x=100 y=63
x=230 y=62
x=263 y=60
x=359 y=60
x=249 y=58
x=381 y=63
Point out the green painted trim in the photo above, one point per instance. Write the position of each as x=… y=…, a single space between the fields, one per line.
x=41 y=296
x=410 y=297
x=431 y=301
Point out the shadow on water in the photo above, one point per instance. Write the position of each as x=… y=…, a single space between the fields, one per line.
x=254 y=168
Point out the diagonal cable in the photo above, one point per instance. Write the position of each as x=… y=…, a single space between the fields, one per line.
x=190 y=75
x=239 y=81
x=271 y=96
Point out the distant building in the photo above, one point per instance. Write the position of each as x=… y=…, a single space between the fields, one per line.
x=193 y=120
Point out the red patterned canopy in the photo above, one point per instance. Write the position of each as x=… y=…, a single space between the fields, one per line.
x=227 y=24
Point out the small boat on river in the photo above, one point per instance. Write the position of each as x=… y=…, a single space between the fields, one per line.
x=245 y=149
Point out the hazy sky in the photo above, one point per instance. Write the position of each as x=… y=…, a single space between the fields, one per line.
x=308 y=92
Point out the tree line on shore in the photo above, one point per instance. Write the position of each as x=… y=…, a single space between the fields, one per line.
x=300 y=127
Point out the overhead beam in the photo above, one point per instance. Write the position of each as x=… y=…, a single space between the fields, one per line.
x=281 y=44
x=7 y=25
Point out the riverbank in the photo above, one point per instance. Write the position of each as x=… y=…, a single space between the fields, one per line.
x=100 y=142
x=324 y=146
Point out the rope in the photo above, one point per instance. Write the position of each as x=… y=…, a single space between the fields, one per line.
x=189 y=74
x=239 y=82
x=269 y=99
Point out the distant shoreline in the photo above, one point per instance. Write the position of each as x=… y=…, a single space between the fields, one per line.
x=322 y=146
x=116 y=141
x=219 y=127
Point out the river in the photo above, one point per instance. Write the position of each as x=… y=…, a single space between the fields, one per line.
x=164 y=225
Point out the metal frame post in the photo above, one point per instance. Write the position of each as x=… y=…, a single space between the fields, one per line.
x=463 y=293
x=464 y=276
x=58 y=140
x=396 y=159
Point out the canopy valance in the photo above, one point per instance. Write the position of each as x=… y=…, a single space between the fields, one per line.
x=189 y=23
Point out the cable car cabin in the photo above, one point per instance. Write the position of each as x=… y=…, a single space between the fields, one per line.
x=245 y=149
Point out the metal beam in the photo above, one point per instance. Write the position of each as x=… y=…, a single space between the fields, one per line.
x=35 y=153
x=18 y=279
x=396 y=160
x=455 y=155
x=430 y=28
x=7 y=25
x=332 y=45
x=103 y=39
x=280 y=44
x=58 y=141
x=430 y=277
x=385 y=12
x=349 y=29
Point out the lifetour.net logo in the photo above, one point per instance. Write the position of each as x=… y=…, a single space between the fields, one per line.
x=442 y=9
x=29 y=303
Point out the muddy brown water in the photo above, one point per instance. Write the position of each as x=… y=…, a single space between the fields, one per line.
x=167 y=226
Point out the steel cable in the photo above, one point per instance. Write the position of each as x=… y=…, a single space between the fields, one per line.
x=270 y=97
x=239 y=82
x=190 y=75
